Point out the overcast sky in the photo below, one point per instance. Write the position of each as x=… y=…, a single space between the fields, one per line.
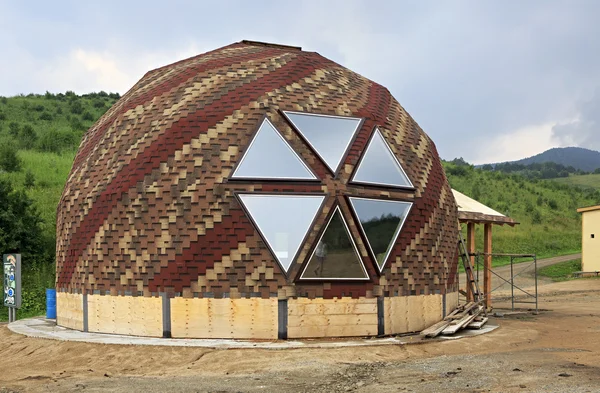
x=487 y=80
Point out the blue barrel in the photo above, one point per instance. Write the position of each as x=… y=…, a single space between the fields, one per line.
x=51 y=303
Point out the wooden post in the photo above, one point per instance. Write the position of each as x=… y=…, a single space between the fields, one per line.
x=487 y=263
x=470 y=249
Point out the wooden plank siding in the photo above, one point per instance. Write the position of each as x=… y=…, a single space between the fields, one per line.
x=253 y=318
x=340 y=317
x=69 y=310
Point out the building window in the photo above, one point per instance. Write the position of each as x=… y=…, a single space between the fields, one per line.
x=282 y=221
x=335 y=256
x=379 y=166
x=380 y=222
x=329 y=136
x=270 y=157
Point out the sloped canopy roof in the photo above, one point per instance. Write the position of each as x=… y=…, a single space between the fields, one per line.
x=588 y=209
x=470 y=210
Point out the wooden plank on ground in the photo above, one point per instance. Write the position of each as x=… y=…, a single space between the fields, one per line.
x=478 y=324
x=436 y=329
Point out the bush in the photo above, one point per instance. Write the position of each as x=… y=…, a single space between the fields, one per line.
x=39 y=108
x=2 y=116
x=27 y=137
x=46 y=116
x=9 y=161
x=76 y=107
x=76 y=124
x=29 y=180
x=54 y=141
x=13 y=128
x=536 y=217
x=87 y=116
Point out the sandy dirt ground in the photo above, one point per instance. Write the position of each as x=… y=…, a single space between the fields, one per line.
x=555 y=351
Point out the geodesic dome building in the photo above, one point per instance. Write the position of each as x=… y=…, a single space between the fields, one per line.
x=256 y=191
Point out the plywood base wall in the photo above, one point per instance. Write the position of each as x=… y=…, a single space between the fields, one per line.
x=343 y=317
x=451 y=302
x=253 y=318
x=69 y=310
x=411 y=313
x=135 y=316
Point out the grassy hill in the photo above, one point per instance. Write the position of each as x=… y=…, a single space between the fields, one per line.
x=44 y=131
x=586 y=181
x=546 y=210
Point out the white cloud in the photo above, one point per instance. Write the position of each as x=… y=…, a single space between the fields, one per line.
x=515 y=145
x=84 y=70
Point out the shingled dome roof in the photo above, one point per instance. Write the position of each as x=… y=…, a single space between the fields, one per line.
x=256 y=171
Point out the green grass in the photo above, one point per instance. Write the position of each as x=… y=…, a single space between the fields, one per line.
x=585 y=181
x=50 y=171
x=561 y=271
x=546 y=210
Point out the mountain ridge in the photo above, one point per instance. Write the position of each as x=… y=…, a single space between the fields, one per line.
x=578 y=157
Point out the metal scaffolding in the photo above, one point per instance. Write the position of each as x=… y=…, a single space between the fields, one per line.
x=530 y=298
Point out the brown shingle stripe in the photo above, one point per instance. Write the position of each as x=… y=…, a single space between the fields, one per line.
x=183 y=262
x=290 y=188
x=134 y=99
x=123 y=142
x=159 y=152
x=201 y=255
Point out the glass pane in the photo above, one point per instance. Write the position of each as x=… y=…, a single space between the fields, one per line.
x=381 y=222
x=282 y=221
x=335 y=256
x=269 y=156
x=329 y=136
x=379 y=165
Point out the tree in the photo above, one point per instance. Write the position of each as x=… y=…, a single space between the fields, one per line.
x=9 y=160
x=20 y=223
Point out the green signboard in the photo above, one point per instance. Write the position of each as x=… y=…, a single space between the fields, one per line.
x=12 y=280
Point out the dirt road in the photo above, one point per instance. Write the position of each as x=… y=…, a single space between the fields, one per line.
x=556 y=351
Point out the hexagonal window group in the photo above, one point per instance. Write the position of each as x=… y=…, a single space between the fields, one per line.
x=285 y=219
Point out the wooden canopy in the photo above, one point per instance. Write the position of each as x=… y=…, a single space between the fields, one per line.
x=472 y=212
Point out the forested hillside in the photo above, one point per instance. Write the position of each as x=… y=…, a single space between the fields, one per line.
x=39 y=135
x=577 y=157
x=546 y=210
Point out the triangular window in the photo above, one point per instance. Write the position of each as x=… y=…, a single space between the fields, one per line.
x=335 y=256
x=283 y=221
x=381 y=222
x=379 y=166
x=269 y=156
x=329 y=136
